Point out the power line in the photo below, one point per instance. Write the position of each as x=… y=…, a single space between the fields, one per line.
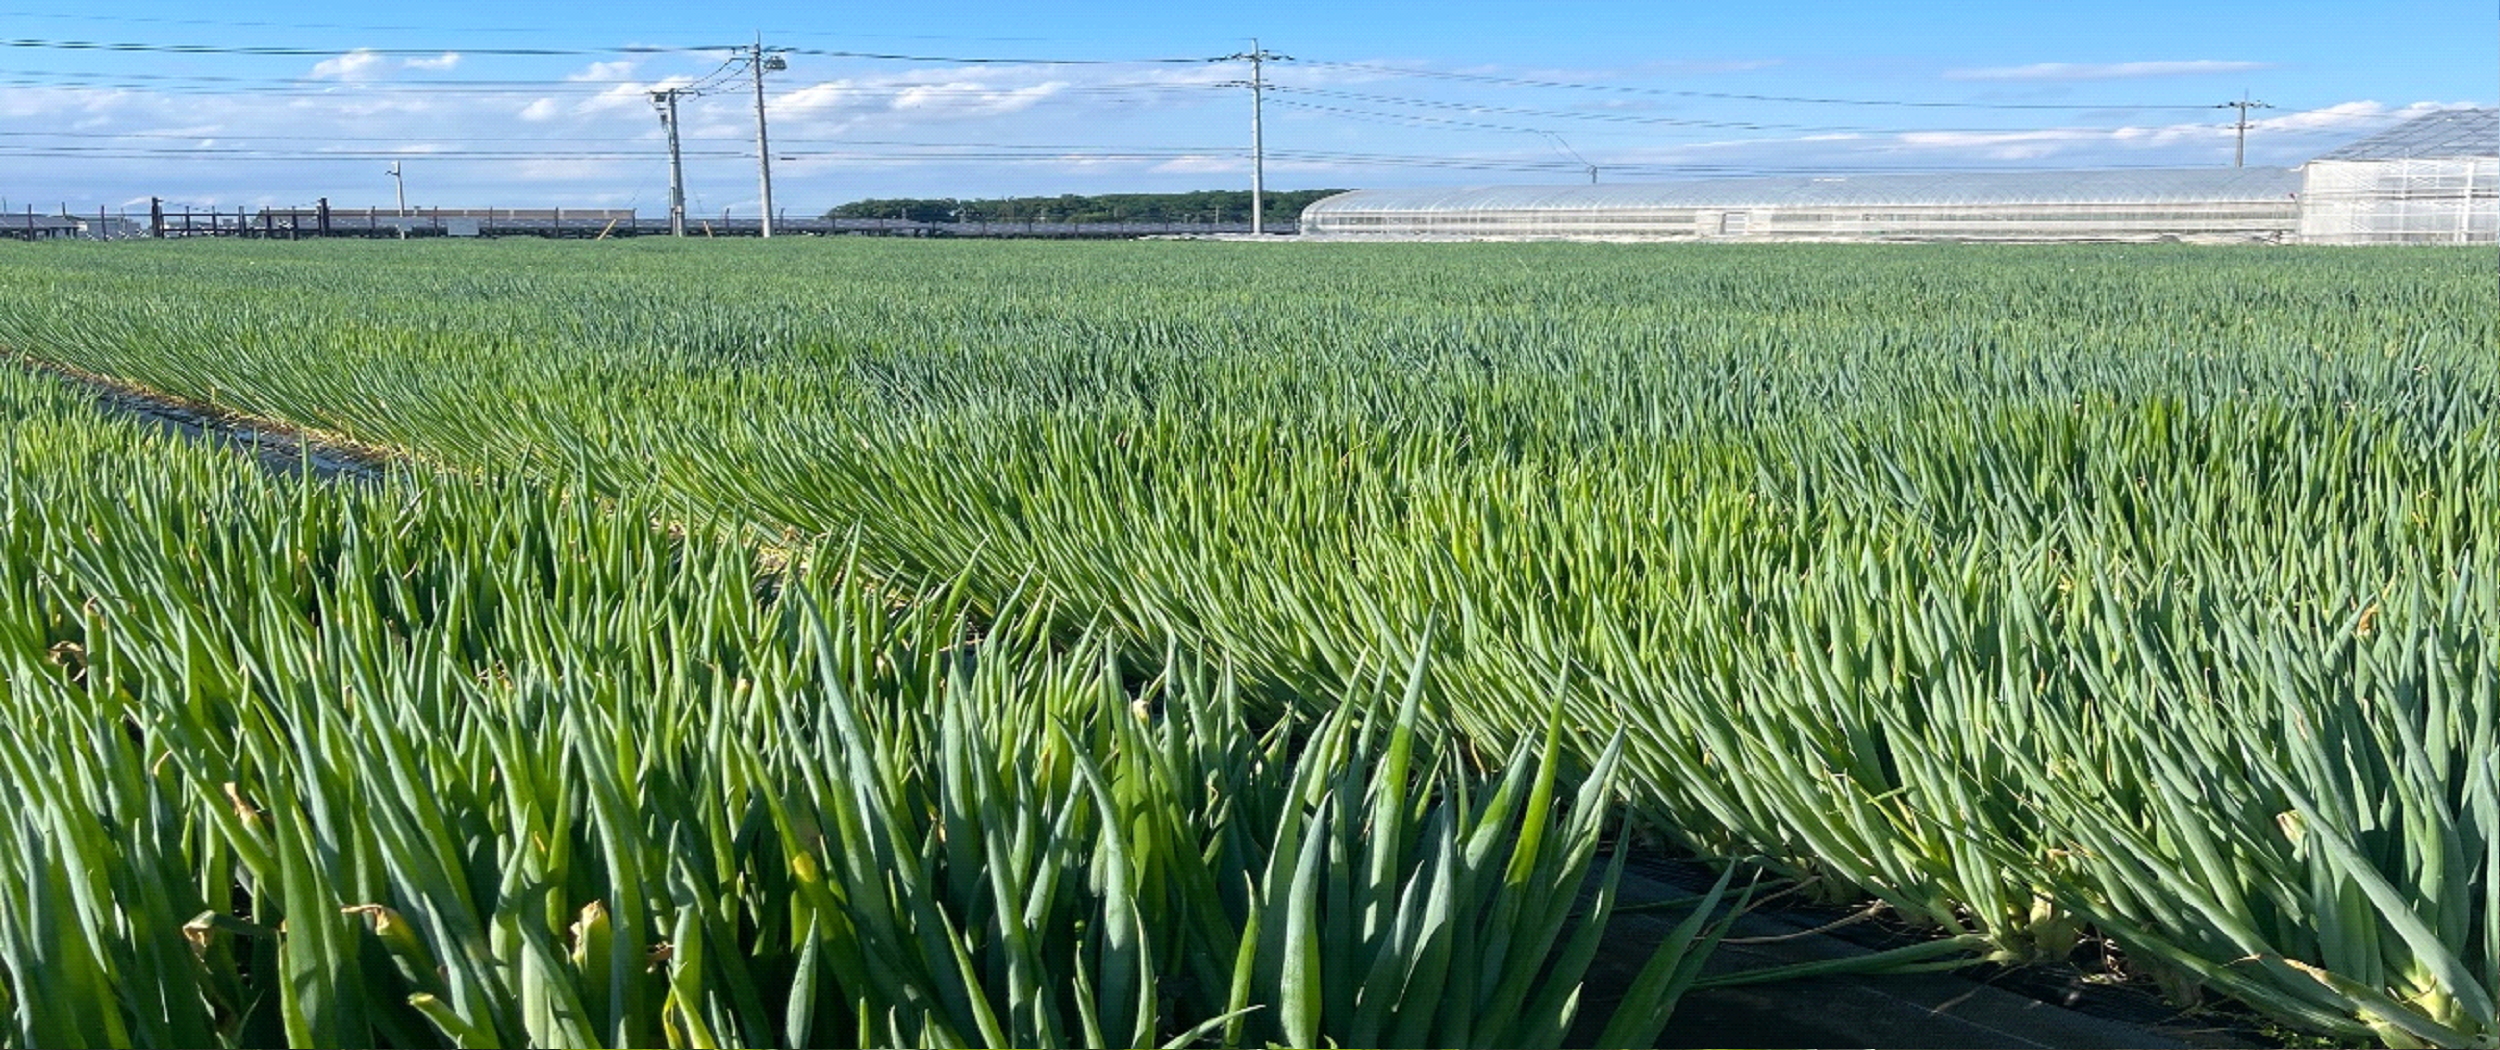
x=908 y=154
x=334 y=26
x=1405 y=119
x=982 y=60
x=232 y=153
x=1615 y=118
x=271 y=51
x=300 y=87
x=1425 y=121
x=419 y=146
x=746 y=60
x=153 y=20
x=1483 y=78
x=262 y=51
x=1477 y=78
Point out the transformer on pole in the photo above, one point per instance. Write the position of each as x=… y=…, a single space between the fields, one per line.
x=665 y=100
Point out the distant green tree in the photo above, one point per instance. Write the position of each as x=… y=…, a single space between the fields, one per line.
x=914 y=209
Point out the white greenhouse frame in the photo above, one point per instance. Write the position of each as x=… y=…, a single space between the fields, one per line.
x=2433 y=179
x=2228 y=205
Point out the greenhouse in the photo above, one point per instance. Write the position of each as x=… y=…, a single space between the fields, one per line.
x=2247 y=204
x=2435 y=178
x=2431 y=180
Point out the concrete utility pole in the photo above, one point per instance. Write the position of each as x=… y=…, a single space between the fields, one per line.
x=399 y=188
x=1258 y=59
x=760 y=63
x=1258 y=140
x=665 y=100
x=2239 y=157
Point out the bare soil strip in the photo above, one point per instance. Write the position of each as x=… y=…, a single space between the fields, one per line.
x=281 y=447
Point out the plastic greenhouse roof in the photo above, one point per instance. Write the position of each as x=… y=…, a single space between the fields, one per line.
x=2450 y=133
x=2137 y=186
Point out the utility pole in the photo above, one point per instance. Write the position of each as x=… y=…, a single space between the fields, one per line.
x=2239 y=157
x=1258 y=140
x=759 y=64
x=1258 y=59
x=399 y=188
x=665 y=100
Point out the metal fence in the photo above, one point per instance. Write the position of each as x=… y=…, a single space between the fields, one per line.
x=302 y=223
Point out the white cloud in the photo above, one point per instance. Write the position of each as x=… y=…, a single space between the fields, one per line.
x=573 y=171
x=365 y=64
x=922 y=96
x=1997 y=139
x=617 y=70
x=2360 y=116
x=2313 y=130
x=967 y=99
x=1202 y=165
x=2106 y=70
x=360 y=64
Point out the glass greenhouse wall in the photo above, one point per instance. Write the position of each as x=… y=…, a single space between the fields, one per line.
x=2431 y=180
x=2454 y=201
x=2146 y=205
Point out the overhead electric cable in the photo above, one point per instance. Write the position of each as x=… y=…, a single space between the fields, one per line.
x=1419 y=120
x=996 y=60
x=157 y=20
x=1482 y=78
x=269 y=51
x=198 y=86
x=1618 y=118
x=333 y=52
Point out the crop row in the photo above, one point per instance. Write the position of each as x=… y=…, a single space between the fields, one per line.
x=435 y=762
x=2038 y=592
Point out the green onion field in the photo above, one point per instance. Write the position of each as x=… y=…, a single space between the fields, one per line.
x=915 y=643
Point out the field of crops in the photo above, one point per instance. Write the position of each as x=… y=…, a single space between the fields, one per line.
x=1110 y=644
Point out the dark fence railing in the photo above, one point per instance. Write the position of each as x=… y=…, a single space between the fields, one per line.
x=299 y=224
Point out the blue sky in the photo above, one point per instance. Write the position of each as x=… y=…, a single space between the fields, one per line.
x=1399 y=94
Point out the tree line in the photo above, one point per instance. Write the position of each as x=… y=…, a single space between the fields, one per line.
x=1199 y=206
